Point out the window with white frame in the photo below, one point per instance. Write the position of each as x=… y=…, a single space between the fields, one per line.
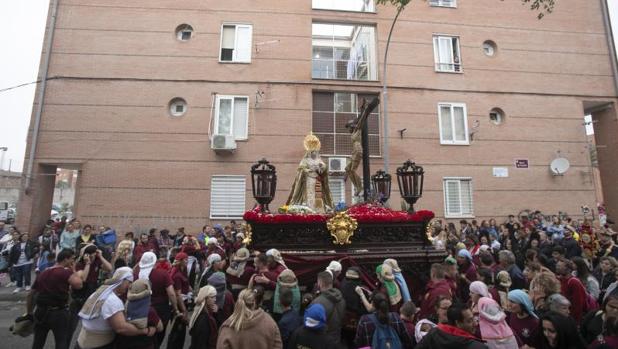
x=443 y=3
x=446 y=53
x=232 y=116
x=337 y=190
x=458 y=200
x=344 y=51
x=344 y=5
x=453 y=122
x=227 y=197
x=236 y=43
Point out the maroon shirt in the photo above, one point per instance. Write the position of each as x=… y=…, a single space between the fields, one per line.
x=140 y=249
x=180 y=281
x=526 y=329
x=93 y=273
x=435 y=289
x=52 y=286
x=160 y=280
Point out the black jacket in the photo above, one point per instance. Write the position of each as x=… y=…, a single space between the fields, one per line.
x=31 y=250
x=304 y=338
x=334 y=304
x=571 y=248
x=437 y=338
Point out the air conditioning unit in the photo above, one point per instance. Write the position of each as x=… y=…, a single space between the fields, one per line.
x=337 y=165
x=223 y=142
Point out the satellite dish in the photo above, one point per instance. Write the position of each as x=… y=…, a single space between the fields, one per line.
x=559 y=166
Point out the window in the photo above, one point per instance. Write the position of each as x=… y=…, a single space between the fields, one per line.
x=496 y=116
x=232 y=116
x=344 y=51
x=178 y=107
x=331 y=112
x=453 y=122
x=236 y=43
x=344 y=5
x=489 y=48
x=443 y=3
x=184 y=32
x=337 y=190
x=227 y=197
x=446 y=53
x=458 y=197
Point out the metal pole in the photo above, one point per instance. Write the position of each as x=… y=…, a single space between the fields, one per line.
x=366 y=171
x=41 y=96
x=385 y=151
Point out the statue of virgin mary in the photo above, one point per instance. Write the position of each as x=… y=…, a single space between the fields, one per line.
x=310 y=186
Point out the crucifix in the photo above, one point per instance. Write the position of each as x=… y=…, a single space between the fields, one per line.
x=359 y=131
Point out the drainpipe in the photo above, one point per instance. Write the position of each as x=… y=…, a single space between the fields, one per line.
x=610 y=42
x=41 y=96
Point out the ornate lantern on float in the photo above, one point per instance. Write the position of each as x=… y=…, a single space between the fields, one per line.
x=381 y=185
x=410 y=181
x=264 y=183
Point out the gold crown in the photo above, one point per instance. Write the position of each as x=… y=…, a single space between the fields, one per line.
x=312 y=143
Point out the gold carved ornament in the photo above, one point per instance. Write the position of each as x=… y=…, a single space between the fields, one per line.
x=341 y=228
x=430 y=228
x=248 y=234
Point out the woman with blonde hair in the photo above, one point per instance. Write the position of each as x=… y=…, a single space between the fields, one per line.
x=203 y=325
x=541 y=287
x=249 y=326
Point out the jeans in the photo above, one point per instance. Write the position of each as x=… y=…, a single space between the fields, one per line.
x=57 y=321
x=22 y=273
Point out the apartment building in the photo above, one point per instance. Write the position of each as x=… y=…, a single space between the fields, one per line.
x=163 y=106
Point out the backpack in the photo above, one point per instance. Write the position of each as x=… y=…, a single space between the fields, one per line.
x=384 y=336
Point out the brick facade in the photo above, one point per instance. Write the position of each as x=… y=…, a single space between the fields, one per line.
x=119 y=64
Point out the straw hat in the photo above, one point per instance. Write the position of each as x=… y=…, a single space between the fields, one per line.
x=504 y=279
x=241 y=255
x=393 y=264
x=287 y=279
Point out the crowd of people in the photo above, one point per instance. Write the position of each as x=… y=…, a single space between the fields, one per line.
x=527 y=283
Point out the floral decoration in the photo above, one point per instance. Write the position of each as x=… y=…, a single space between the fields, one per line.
x=363 y=213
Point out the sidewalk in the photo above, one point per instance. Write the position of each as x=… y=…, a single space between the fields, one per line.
x=7 y=295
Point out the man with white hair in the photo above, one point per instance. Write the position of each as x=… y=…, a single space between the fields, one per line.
x=163 y=293
x=506 y=259
x=334 y=268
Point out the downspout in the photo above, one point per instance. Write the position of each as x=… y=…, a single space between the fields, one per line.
x=610 y=42
x=41 y=96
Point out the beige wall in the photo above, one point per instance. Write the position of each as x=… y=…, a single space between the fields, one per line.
x=121 y=65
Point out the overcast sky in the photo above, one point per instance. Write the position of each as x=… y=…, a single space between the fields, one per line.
x=22 y=27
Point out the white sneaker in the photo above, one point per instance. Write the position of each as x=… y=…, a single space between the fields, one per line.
x=17 y=290
x=27 y=288
x=10 y=284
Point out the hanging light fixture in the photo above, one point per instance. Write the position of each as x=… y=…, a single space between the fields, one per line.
x=264 y=183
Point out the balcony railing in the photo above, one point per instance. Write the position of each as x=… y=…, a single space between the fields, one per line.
x=448 y=67
x=344 y=69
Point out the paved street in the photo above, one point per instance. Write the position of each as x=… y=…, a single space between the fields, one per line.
x=14 y=305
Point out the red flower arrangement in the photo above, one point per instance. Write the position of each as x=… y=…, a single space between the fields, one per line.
x=255 y=215
x=372 y=213
x=363 y=213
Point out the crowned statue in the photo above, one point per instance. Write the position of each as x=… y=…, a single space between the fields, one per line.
x=310 y=186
